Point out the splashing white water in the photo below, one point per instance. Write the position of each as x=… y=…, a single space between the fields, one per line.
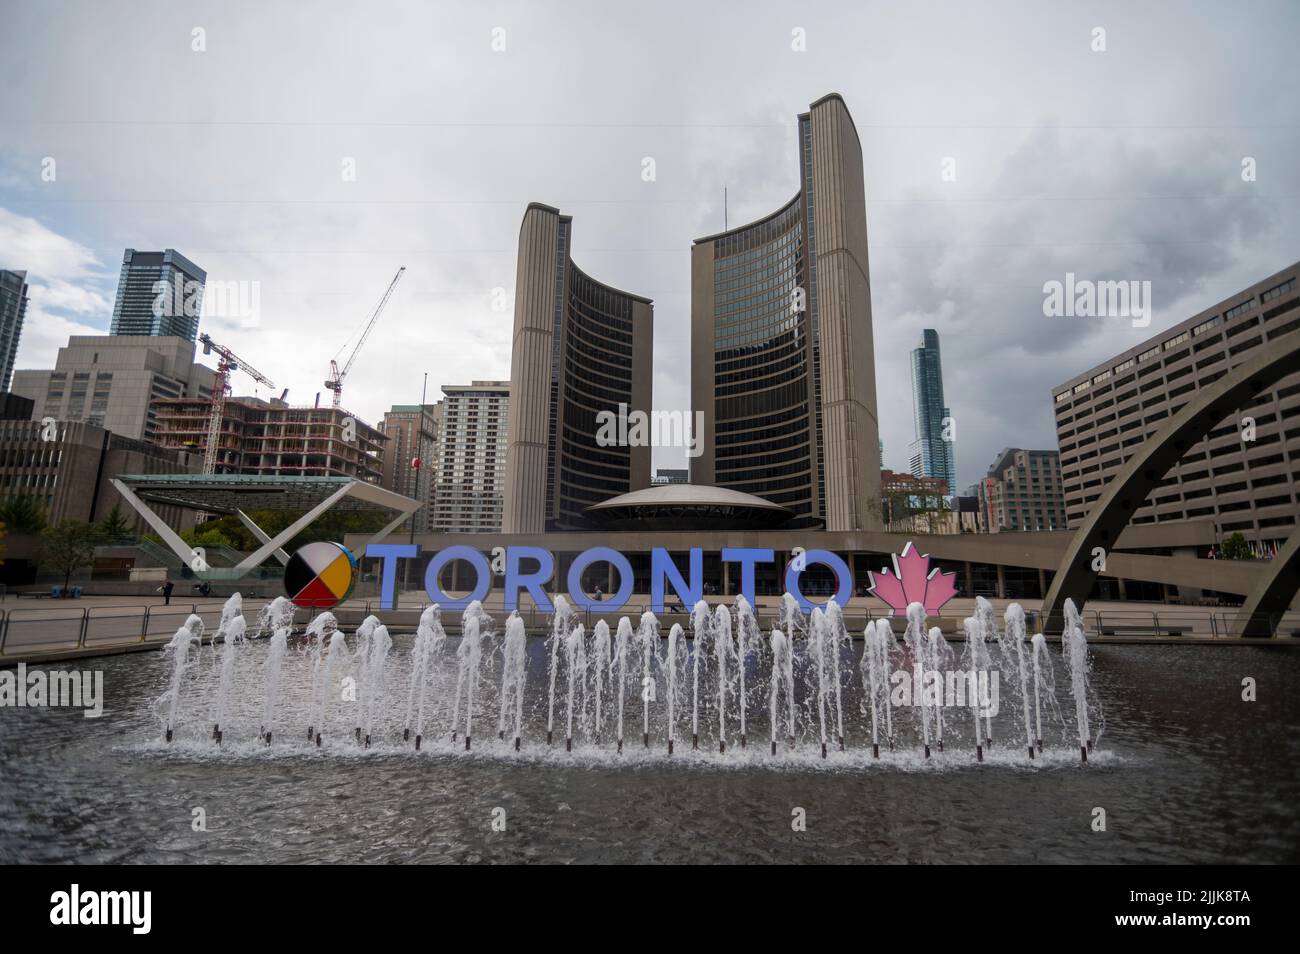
x=183 y=652
x=514 y=661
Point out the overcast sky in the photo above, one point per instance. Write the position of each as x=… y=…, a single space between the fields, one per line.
x=1122 y=164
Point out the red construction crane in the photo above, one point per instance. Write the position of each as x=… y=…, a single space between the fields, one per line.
x=227 y=363
x=335 y=381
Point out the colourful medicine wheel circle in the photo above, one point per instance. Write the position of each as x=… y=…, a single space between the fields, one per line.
x=320 y=575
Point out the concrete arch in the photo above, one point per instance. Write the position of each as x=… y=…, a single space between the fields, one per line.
x=1273 y=594
x=1127 y=491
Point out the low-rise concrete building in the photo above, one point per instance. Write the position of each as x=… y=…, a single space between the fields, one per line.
x=110 y=381
x=67 y=465
x=1244 y=474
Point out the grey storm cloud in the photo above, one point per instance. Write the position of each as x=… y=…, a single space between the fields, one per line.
x=1122 y=164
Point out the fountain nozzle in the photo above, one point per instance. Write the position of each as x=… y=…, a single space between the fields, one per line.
x=418 y=739
x=406 y=734
x=467 y=743
x=516 y=743
x=875 y=750
x=979 y=752
x=169 y=733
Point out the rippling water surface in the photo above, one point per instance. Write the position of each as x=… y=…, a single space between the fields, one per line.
x=1185 y=770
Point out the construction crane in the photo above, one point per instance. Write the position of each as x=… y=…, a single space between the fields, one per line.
x=227 y=363
x=335 y=380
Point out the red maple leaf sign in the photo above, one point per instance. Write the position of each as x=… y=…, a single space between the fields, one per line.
x=913 y=582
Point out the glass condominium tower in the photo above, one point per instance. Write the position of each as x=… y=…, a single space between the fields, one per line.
x=932 y=453
x=580 y=349
x=782 y=362
x=158 y=294
x=13 y=309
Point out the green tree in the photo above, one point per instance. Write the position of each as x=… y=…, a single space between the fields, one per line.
x=208 y=535
x=114 y=528
x=332 y=525
x=1235 y=547
x=23 y=513
x=67 y=547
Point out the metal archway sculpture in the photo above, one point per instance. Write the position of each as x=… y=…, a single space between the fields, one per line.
x=1272 y=597
x=1129 y=489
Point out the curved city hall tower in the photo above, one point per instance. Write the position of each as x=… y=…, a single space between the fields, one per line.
x=782 y=363
x=579 y=348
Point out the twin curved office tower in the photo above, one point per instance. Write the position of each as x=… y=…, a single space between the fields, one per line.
x=782 y=364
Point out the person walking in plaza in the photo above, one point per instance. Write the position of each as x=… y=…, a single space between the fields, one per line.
x=166 y=591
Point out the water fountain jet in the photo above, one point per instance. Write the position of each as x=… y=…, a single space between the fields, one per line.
x=559 y=630
x=512 y=675
x=1014 y=619
x=915 y=637
x=1074 y=649
x=622 y=642
x=749 y=639
x=188 y=637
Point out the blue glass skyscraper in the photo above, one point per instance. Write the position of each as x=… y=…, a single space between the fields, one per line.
x=158 y=293
x=933 y=452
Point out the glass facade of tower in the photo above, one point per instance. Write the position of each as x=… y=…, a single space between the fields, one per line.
x=13 y=308
x=763 y=410
x=782 y=374
x=158 y=294
x=932 y=453
x=597 y=358
x=579 y=372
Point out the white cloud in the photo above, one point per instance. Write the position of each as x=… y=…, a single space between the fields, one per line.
x=61 y=295
x=44 y=334
x=27 y=244
x=234 y=156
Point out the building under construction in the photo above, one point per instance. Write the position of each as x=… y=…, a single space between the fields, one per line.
x=273 y=438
